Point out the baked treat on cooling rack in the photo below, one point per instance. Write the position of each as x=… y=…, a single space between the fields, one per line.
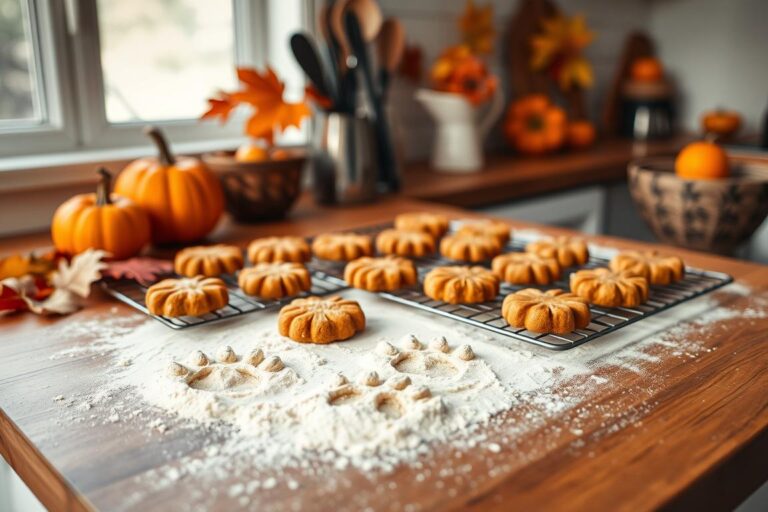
x=494 y=228
x=187 y=296
x=472 y=248
x=415 y=244
x=432 y=223
x=208 y=260
x=461 y=284
x=275 y=280
x=380 y=274
x=656 y=268
x=568 y=251
x=552 y=311
x=279 y=248
x=321 y=320
x=342 y=246
x=526 y=268
x=604 y=287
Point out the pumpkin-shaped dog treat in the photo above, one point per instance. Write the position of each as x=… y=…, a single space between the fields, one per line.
x=566 y=250
x=342 y=246
x=461 y=285
x=188 y=296
x=656 y=268
x=495 y=228
x=275 y=280
x=321 y=320
x=471 y=248
x=415 y=244
x=100 y=221
x=553 y=311
x=183 y=198
x=210 y=261
x=380 y=274
x=432 y=223
x=526 y=268
x=279 y=248
x=604 y=287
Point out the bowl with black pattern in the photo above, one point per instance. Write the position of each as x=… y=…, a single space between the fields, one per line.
x=714 y=215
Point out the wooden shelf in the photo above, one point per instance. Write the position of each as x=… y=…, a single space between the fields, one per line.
x=507 y=176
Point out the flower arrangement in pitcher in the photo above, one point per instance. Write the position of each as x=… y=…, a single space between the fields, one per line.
x=272 y=114
x=460 y=68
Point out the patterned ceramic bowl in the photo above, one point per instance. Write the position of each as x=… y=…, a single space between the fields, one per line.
x=258 y=191
x=706 y=215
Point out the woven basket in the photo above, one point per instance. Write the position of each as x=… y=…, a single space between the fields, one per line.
x=258 y=191
x=706 y=215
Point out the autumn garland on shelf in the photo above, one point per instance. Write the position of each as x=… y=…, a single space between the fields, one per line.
x=264 y=93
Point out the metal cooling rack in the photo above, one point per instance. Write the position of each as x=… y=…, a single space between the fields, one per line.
x=487 y=315
x=132 y=293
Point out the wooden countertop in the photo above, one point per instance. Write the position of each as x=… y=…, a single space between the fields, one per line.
x=698 y=436
x=506 y=177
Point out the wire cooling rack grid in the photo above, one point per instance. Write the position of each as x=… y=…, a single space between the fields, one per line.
x=327 y=277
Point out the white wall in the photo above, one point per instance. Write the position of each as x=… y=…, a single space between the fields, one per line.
x=717 y=50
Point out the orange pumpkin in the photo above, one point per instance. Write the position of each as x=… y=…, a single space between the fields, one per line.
x=534 y=125
x=251 y=152
x=721 y=122
x=100 y=221
x=647 y=69
x=581 y=134
x=702 y=161
x=183 y=198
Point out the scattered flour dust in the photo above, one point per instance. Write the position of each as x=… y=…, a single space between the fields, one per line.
x=372 y=403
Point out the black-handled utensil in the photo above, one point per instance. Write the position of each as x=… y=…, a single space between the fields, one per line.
x=388 y=167
x=308 y=57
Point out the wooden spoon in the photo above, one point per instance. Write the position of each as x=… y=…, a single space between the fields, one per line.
x=369 y=14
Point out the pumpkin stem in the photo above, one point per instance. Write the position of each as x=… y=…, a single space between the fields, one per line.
x=104 y=188
x=164 y=152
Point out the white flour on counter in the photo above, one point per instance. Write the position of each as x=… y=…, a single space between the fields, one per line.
x=383 y=398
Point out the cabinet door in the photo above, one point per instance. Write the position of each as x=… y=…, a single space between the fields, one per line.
x=580 y=209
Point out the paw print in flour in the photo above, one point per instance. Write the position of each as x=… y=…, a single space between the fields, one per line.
x=393 y=398
x=435 y=361
x=230 y=374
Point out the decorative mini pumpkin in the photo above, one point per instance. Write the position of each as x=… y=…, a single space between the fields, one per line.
x=647 y=69
x=100 y=221
x=721 y=122
x=534 y=125
x=581 y=134
x=183 y=198
x=702 y=161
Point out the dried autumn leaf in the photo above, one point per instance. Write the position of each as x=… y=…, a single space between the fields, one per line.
x=558 y=49
x=476 y=25
x=142 y=270
x=78 y=275
x=264 y=93
x=18 y=265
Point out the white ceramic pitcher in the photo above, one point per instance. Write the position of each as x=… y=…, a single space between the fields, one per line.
x=460 y=129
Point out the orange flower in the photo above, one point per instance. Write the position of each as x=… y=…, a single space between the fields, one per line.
x=534 y=125
x=458 y=71
x=264 y=93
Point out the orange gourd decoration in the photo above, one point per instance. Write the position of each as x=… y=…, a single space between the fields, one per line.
x=721 y=122
x=100 y=221
x=534 y=125
x=702 y=160
x=183 y=198
x=581 y=134
x=647 y=69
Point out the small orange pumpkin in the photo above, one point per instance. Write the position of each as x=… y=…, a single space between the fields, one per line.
x=100 y=221
x=721 y=122
x=702 y=161
x=647 y=69
x=534 y=125
x=581 y=134
x=183 y=198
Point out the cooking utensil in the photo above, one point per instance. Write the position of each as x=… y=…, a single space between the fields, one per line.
x=369 y=16
x=388 y=176
x=390 y=45
x=306 y=53
x=344 y=165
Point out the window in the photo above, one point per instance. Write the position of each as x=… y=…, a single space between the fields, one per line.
x=87 y=74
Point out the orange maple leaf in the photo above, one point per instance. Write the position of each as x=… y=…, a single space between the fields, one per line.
x=264 y=93
x=476 y=25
